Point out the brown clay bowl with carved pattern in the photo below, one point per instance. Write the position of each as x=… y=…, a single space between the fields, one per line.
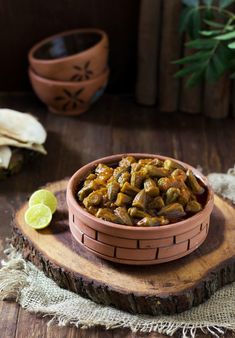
x=76 y=55
x=69 y=98
x=131 y=244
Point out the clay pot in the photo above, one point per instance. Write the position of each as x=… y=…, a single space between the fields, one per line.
x=69 y=98
x=136 y=245
x=76 y=55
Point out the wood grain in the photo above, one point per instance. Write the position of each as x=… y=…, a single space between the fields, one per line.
x=115 y=125
x=169 y=51
x=217 y=98
x=189 y=280
x=148 y=51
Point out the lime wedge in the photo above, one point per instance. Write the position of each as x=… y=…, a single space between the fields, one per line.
x=45 y=197
x=38 y=216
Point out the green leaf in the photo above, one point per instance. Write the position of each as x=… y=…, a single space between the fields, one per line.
x=220 y=67
x=214 y=24
x=215 y=69
x=202 y=44
x=207 y=2
x=210 y=33
x=232 y=45
x=226 y=36
x=195 y=78
x=198 y=56
x=191 y=3
x=194 y=26
x=232 y=76
x=225 y=3
x=225 y=54
x=185 y=19
x=188 y=70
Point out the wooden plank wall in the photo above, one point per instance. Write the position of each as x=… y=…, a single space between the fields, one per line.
x=171 y=95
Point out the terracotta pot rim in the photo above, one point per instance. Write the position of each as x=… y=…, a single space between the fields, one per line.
x=38 y=45
x=72 y=200
x=64 y=83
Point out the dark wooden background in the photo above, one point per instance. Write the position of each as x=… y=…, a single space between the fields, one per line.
x=25 y=22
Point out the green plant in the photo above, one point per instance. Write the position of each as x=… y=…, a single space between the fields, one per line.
x=210 y=27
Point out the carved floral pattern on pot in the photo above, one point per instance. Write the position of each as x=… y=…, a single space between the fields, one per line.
x=70 y=100
x=83 y=73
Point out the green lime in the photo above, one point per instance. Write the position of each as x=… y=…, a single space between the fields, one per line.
x=45 y=197
x=38 y=216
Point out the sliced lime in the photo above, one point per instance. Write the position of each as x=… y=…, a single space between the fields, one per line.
x=45 y=197
x=38 y=216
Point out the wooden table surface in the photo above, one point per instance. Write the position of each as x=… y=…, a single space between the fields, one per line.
x=114 y=125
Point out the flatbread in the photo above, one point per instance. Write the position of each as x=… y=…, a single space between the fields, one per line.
x=6 y=141
x=5 y=156
x=21 y=126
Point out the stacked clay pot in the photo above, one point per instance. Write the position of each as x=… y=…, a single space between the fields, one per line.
x=69 y=71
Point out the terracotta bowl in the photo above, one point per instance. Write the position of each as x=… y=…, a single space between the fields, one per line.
x=69 y=98
x=136 y=245
x=76 y=55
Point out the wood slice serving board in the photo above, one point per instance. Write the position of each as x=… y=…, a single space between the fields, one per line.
x=166 y=288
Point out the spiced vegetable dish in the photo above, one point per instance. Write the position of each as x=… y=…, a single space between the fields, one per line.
x=146 y=192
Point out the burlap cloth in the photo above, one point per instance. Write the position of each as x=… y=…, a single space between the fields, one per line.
x=23 y=282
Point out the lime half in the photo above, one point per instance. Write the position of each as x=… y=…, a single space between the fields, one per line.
x=45 y=197
x=38 y=216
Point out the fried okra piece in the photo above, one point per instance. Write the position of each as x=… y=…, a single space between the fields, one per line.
x=172 y=195
x=89 y=178
x=105 y=175
x=140 y=200
x=122 y=213
x=89 y=187
x=128 y=189
x=165 y=183
x=127 y=161
x=153 y=221
x=193 y=183
x=123 y=199
x=93 y=199
x=113 y=189
x=184 y=196
x=174 y=210
x=179 y=174
x=101 y=167
x=107 y=215
x=170 y=164
x=154 y=171
x=119 y=171
x=156 y=203
x=144 y=161
x=92 y=210
x=84 y=192
x=137 y=178
x=124 y=177
x=137 y=213
x=151 y=188
x=157 y=162
x=193 y=206
x=135 y=167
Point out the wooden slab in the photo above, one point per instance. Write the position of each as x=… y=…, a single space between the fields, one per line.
x=166 y=288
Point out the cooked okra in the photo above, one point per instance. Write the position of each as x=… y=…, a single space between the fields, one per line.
x=146 y=192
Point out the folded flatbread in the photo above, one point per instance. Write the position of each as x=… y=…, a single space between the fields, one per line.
x=6 y=141
x=21 y=126
x=5 y=156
